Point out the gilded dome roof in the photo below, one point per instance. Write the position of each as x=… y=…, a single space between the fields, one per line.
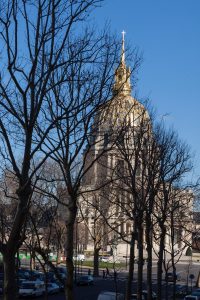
x=122 y=109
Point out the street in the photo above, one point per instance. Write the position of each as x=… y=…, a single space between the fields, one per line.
x=100 y=284
x=91 y=292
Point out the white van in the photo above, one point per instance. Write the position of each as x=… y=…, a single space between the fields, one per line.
x=191 y=297
x=32 y=288
x=81 y=257
x=110 y=296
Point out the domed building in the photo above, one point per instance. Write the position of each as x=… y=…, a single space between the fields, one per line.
x=117 y=121
x=117 y=125
x=119 y=149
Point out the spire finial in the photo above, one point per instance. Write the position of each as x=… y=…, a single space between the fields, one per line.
x=122 y=85
x=123 y=47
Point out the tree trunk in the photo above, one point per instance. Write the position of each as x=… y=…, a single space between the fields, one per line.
x=140 y=259
x=174 y=274
x=131 y=268
x=96 y=261
x=173 y=256
x=198 y=280
x=10 y=283
x=149 y=257
x=160 y=263
x=69 y=252
x=57 y=255
x=13 y=244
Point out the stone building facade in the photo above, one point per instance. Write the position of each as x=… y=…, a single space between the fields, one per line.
x=107 y=206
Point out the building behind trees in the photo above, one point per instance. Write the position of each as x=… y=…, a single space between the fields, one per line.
x=123 y=132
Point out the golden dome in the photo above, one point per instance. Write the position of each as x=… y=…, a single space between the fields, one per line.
x=122 y=109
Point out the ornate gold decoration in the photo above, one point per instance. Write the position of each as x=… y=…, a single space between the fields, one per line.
x=122 y=85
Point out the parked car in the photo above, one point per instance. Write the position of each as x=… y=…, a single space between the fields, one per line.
x=85 y=280
x=81 y=257
x=191 y=297
x=134 y=297
x=52 y=288
x=196 y=293
x=181 y=291
x=23 y=274
x=50 y=276
x=32 y=288
x=110 y=296
x=60 y=285
x=171 y=277
x=145 y=293
x=61 y=270
x=1 y=282
x=36 y=275
x=103 y=259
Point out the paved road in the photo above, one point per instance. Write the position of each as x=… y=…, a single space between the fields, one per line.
x=91 y=292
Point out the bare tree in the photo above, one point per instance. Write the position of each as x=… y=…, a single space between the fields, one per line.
x=35 y=36
x=80 y=100
x=121 y=173
x=174 y=164
x=143 y=186
x=97 y=212
x=135 y=148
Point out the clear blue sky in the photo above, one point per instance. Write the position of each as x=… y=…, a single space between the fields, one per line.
x=168 y=33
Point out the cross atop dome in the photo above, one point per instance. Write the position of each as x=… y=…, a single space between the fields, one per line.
x=123 y=34
x=122 y=85
x=123 y=48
